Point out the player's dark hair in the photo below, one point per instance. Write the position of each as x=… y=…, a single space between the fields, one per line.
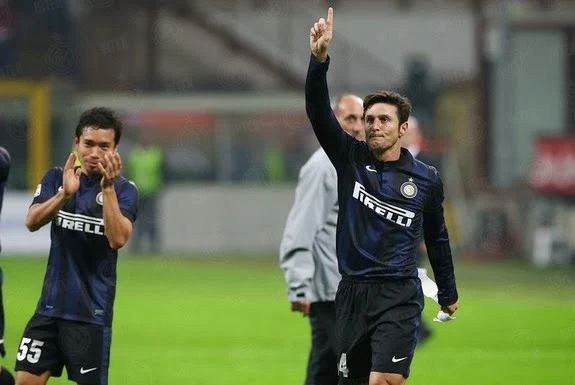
x=402 y=103
x=102 y=118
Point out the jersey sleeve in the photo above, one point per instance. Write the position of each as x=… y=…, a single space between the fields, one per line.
x=49 y=185
x=128 y=200
x=438 y=247
x=334 y=140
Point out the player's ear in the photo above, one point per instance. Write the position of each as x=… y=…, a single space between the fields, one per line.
x=76 y=142
x=403 y=129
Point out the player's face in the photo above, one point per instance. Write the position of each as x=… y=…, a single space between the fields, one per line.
x=93 y=145
x=350 y=116
x=382 y=130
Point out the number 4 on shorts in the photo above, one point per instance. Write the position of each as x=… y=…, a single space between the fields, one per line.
x=31 y=353
x=342 y=367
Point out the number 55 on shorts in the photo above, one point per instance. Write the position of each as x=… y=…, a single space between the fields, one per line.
x=30 y=350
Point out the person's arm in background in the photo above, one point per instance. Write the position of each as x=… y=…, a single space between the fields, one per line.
x=307 y=216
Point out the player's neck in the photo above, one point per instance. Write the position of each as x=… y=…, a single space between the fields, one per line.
x=389 y=155
x=92 y=174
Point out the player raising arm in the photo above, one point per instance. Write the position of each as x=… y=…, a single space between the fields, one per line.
x=385 y=197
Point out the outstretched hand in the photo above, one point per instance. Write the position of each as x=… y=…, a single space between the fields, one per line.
x=320 y=36
x=71 y=177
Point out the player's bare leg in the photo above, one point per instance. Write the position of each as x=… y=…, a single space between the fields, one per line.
x=378 y=378
x=25 y=378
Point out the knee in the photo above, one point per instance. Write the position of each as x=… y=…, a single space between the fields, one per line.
x=24 y=378
x=25 y=381
x=386 y=379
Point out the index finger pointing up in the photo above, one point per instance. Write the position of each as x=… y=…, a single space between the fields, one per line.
x=329 y=20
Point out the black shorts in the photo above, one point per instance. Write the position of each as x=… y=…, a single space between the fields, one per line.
x=322 y=363
x=49 y=344
x=376 y=327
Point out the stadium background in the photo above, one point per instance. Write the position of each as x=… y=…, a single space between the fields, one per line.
x=219 y=85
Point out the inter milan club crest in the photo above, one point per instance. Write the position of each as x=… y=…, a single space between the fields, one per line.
x=408 y=189
x=99 y=199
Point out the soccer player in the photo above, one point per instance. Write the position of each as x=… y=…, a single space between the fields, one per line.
x=307 y=250
x=91 y=209
x=6 y=377
x=385 y=196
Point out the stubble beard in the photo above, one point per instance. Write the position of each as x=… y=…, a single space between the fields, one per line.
x=379 y=149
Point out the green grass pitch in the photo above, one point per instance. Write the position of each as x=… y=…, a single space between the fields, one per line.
x=221 y=320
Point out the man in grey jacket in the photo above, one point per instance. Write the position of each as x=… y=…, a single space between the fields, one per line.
x=307 y=250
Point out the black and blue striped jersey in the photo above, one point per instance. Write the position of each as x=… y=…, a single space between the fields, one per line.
x=383 y=206
x=4 y=172
x=80 y=280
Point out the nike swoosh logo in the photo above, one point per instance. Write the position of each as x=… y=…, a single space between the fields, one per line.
x=84 y=371
x=370 y=168
x=397 y=359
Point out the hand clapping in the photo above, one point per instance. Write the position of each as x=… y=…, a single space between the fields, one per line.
x=112 y=169
x=71 y=178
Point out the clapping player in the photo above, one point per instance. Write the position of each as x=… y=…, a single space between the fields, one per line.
x=91 y=209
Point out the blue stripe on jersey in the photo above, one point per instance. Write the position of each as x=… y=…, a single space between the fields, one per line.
x=105 y=360
x=74 y=291
x=52 y=281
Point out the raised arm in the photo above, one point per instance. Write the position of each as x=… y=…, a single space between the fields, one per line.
x=439 y=250
x=332 y=138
